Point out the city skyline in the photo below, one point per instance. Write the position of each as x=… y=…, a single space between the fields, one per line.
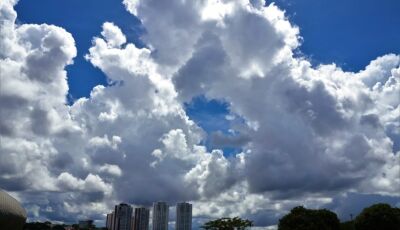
x=125 y=217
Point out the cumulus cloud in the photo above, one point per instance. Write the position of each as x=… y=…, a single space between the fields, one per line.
x=32 y=97
x=113 y=35
x=113 y=170
x=41 y=144
x=92 y=183
x=310 y=129
x=296 y=114
x=308 y=133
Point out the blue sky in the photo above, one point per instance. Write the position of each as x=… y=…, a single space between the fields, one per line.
x=83 y=19
x=348 y=33
x=293 y=129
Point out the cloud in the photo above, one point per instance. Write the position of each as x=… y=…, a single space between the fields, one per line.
x=311 y=129
x=220 y=140
x=41 y=144
x=113 y=35
x=351 y=204
x=113 y=170
x=92 y=183
x=307 y=133
x=296 y=114
x=32 y=97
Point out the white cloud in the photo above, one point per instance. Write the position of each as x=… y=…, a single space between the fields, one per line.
x=113 y=35
x=32 y=97
x=105 y=142
x=113 y=170
x=311 y=130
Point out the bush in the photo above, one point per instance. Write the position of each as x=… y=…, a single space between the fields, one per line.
x=301 y=218
x=378 y=217
x=348 y=225
x=227 y=224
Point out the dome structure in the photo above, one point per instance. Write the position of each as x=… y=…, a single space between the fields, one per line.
x=12 y=214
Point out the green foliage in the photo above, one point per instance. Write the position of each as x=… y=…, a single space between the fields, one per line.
x=58 y=227
x=37 y=226
x=377 y=217
x=227 y=224
x=47 y=226
x=301 y=218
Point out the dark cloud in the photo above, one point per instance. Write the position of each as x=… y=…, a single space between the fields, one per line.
x=371 y=119
x=353 y=203
x=206 y=65
x=221 y=140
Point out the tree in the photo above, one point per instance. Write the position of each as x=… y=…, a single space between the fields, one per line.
x=58 y=227
x=378 y=216
x=227 y=224
x=348 y=225
x=37 y=226
x=301 y=218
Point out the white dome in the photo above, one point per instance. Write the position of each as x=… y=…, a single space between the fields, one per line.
x=12 y=214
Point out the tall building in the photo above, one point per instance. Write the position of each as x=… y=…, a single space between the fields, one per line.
x=110 y=221
x=122 y=217
x=141 y=220
x=133 y=222
x=160 y=216
x=183 y=216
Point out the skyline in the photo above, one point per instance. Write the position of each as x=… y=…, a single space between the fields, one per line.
x=242 y=108
x=138 y=218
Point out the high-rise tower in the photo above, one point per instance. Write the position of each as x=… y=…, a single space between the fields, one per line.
x=110 y=221
x=141 y=221
x=160 y=216
x=122 y=217
x=183 y=216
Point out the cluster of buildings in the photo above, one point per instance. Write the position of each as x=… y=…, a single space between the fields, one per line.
x=125 y=218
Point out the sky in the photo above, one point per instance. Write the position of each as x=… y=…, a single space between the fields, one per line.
x=244 y=108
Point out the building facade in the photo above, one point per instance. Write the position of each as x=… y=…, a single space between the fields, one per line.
x=110 y=221
x=122 y=219
x=141 y=220
x=183 y=216
x=160 y=216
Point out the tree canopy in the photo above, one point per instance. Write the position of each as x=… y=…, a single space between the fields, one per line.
x=38 y=226
x=378 y=216
x=347 y=225
x=227 y=224
x=301 y=218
